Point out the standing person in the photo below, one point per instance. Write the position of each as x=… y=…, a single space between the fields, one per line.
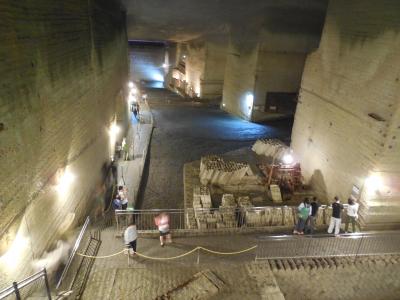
x=162 y=223
x=313 y=216
x=130 y=237
x=304 y=211
x=336 y=216
x=117 y=202
x=124 y=199
x=352 y=215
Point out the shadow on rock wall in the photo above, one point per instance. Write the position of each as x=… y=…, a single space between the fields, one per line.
x=317 y=182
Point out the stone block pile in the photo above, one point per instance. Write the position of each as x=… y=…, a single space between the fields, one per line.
x=240 y=211
x=214 y=170
x=202 y=206
x=270 y=148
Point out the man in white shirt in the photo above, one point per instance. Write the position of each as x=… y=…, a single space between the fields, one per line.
x=352 y=215
x=130 y=237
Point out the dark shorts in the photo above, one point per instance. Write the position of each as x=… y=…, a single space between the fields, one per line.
x=164 y=233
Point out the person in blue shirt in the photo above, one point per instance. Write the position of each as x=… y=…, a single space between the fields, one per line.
x=117 y=202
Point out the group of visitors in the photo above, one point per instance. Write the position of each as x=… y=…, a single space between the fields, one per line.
x=121 y=199
x=308 y=212
x=131 y=234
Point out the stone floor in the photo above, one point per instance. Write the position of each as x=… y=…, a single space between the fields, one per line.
x=242 y=277
x=185 y=131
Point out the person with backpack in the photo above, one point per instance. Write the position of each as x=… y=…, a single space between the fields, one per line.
x=336 y=219
x=314 y=206
x=304 y=211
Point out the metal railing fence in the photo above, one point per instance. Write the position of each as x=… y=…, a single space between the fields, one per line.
x=22 y=289
x=217 y=218
x=73 y=261
x=324 y=245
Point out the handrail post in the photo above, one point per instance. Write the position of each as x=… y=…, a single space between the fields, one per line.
x=46 y=281
x=198 y=255
x=16 y=290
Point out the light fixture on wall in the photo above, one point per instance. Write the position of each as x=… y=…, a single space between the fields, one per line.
x=64 y=180
x=223 y=104
x=374 y=183
x=249 y=102
x=130 y=84
x=12 y=257
x=114 y=130
x=287 y=159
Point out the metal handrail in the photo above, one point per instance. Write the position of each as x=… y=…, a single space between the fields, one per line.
x=74 y=249
x=14 y=289
x=326 y=245
x=327 y=235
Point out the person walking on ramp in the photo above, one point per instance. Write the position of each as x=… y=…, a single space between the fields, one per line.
x=162 y=222
x=130 y=238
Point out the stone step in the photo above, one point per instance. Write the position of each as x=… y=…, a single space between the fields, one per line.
x=325 y=263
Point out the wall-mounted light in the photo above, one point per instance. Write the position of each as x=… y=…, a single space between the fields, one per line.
x=223 y=104
x=374 y=183
x=165 y=66
x=14 y=254
x=249 y=101
x=130 y=84
x=114 y=130
x=64 y=181
x=288 y=159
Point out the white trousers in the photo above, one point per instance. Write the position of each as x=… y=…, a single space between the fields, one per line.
x=335 y=223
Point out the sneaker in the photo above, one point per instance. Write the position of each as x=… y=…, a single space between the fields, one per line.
x=295 y=232
x=301 y=233
x=162 y=245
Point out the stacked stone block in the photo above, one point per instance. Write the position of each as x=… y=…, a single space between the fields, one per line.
x=214 y=170
x=270 y=148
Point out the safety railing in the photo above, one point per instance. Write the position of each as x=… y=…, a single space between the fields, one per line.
x=324 y=245
x=73 y=262
x=22 y=289
x=216 y=218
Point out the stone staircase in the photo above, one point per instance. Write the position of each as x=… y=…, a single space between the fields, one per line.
x=326 y=263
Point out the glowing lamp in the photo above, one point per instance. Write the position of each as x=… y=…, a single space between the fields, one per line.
x=164 y=65
x=374 y=183
x=249 y=101
x=223 y=104
x=64 y=182
x=114 y=130
x=287 y=159
x=130 y=84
